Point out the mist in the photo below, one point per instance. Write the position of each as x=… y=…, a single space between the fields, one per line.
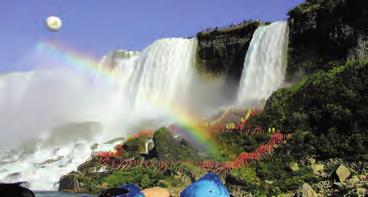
x=36 y=104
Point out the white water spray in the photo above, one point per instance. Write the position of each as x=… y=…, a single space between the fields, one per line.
x=56 y=115
x=265 y=63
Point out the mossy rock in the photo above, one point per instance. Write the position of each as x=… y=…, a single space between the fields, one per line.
x=134 y=147
x=168 y=148
x=89 y=166
x=71 y=183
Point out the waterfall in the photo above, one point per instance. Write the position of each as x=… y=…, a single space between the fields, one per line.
x=162 y=72
x=56 y=115
x=111 y=60
x=265 y=63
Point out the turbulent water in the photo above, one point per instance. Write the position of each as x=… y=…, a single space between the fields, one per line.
x=53 y=118
x=55 y=115
x=265 y=63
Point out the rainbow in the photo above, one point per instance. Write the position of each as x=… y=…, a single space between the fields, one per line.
x=75 y=59
x=197 y=131
x=192 y=125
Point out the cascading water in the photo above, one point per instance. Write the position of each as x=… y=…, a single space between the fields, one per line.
x=111 y=60
x=65 y=111
x=162 y=73
x=265 y=63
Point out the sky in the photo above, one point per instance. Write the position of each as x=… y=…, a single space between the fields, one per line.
x=97 y=27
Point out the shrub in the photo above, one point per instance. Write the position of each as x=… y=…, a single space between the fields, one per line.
x=331 y=105
x=144 y=177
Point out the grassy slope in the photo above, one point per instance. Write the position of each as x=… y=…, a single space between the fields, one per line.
x=329 y=107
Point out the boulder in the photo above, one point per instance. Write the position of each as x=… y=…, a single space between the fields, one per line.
x=307 y=191
x=69 y=183
x=290 y=194
x=294 y=167
x=342 y=173
x=168 y=148
x=361 y=191
x=134 y=147
x=362 y=177
x=312 y=161
x=317 y=168
x=156 y=192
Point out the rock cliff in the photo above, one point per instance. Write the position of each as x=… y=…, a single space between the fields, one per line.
x=323 y=31
x=222 y=51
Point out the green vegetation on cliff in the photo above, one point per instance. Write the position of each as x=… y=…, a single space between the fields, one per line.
x=144 y=177
x=270 y=176
x=327 y=112
x=231 y=144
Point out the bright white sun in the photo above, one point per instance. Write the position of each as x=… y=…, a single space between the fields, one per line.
x=53 y=23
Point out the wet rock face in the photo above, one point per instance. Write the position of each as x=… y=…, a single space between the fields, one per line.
x=222 y=51
x=325 y=30
x=69 y=183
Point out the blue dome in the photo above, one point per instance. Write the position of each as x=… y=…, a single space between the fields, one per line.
x=209 y=185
